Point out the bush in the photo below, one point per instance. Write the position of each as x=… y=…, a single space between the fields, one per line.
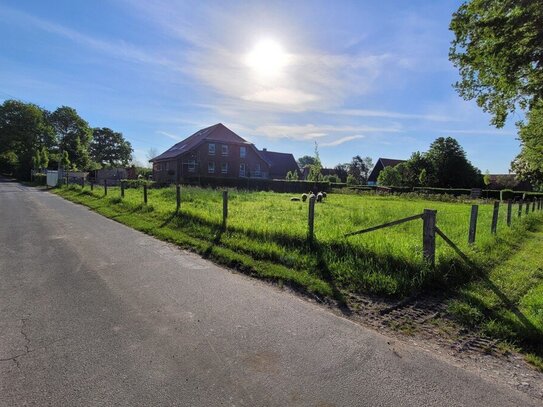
x=40 y=179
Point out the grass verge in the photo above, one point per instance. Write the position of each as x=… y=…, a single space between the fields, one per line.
x=507 y=302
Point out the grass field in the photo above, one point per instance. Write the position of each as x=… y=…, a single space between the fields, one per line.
x=266 y=236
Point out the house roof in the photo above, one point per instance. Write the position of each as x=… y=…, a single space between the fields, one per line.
x=385 y=162
x=390 y=162
x=280 y=162
x=218 y=132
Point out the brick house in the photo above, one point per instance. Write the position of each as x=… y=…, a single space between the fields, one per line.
x=218 y=152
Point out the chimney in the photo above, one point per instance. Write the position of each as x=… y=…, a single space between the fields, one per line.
x=264 y=149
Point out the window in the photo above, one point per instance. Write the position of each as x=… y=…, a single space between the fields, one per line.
x=224 y=149
x=211 y=167
x=224 y=168
x=257 y=170
x=242 y=152
x=192 y=165
x=242 y=170
x=211 y=149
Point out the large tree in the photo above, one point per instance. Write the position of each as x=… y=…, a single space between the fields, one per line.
x=498 y=48
x=109 y=148
x=529 y=163
x=359 y=168
x=451 y=167
x=74 y=136
x=306 y=160
x=24 y=131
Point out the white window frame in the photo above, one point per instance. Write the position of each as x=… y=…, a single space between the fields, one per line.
x=224 y=149
x=191 y=165
x=211 y=167
x=211 y=148
x=242 y=173
x=224 y=168
x=242 y=152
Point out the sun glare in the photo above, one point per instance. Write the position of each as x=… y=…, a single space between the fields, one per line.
x=267 y=57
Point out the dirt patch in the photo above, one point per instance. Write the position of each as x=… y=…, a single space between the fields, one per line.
x=423 y=322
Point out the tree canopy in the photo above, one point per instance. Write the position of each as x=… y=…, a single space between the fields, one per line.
x=24 y=130
x=74 y=135
x=443 y=165
x=498 y=49
x=529 y=163
x=109 y=148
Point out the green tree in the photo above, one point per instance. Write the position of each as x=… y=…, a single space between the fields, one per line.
x=74 y=135
x=528 y=166
x=109 y=148
x=36 y=160
x=498 y=49
x=44 y=158
x=359 y=168
x=451 y=167
x=306 y=160
x=23 y=131
x=316 y=167
x=486 y=178
x=342 y=170
x=418 y=171
x=390 y=177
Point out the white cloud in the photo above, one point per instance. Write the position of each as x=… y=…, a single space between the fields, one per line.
x=393 y=115
x=170 y=135
x=341 y=140
x=316 y=132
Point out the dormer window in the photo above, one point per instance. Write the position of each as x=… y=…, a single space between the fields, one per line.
x=242 y=152
x=211 y=148
x=224 y=149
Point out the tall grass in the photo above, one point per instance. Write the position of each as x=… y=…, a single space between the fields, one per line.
x=270 y=229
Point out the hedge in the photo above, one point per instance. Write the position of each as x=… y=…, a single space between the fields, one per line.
x=257 y=184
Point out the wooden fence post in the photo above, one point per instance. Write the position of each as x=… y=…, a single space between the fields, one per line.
x=509 y=209
x=473 y=223
x=145 y=194
x=495 y=213
x=224 y=208
x=311 y=219
x=533 y=206
x=105 y=186
x=520 y=208
x=122 y=189
x=92 y=186
x=429 y=236
x=82 y=182
x=177 y=198
x=527 y=207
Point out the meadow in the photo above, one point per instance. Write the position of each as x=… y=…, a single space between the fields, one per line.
x=266 y=236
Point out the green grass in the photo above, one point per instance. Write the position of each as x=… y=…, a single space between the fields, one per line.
x=507 y=303
x=266 y=236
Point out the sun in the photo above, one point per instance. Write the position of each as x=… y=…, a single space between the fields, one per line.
x=267 y=57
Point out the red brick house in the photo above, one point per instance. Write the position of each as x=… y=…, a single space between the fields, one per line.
x=218 y=152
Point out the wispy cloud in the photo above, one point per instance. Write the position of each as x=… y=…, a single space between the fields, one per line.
x=393 y=115
x=341 y=140
x=170 y=135
x=115 y=48
x=316 y=132
x=486 y=132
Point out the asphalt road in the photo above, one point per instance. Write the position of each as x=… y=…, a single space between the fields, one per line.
x=94 y=313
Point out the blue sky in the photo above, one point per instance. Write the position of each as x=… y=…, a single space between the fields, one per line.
x=361 y=77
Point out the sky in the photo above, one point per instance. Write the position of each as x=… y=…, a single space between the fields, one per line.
x=369 y=78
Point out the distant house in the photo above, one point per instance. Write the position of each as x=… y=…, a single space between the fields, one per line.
x=218 y=152
x=381 y=164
